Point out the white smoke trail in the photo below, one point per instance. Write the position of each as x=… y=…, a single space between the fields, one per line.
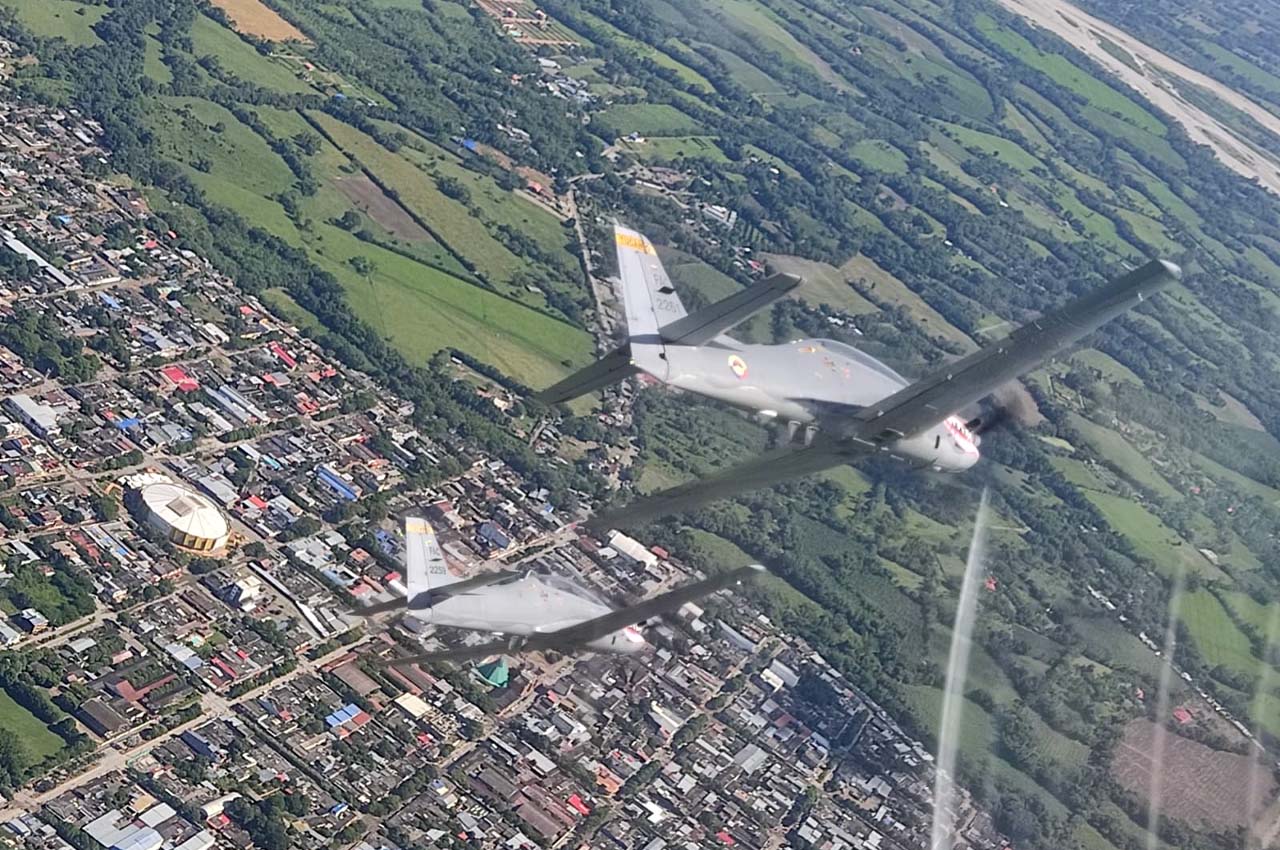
x=953 y=697
x=1155 y=794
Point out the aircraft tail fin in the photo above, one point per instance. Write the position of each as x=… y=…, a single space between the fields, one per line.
x=656 y=318
x=424 y=566
x=647 y=294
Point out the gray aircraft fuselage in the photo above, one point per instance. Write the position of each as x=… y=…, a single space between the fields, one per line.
x=530 y=605
x=815 y=382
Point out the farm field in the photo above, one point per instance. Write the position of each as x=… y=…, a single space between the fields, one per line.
x=1151 y=538
x=1201 y=784
x=256 y=18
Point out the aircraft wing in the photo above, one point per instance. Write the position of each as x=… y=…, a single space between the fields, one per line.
x=915 y=407
x=772 y=468
x=931 y=400
x=463 y=653
x=652 y=607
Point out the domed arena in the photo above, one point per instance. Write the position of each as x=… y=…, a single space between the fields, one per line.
x=186 y=518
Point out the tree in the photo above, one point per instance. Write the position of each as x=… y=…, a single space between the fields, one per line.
x=105 y=507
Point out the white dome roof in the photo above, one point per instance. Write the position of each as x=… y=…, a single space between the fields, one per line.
x=185 y=511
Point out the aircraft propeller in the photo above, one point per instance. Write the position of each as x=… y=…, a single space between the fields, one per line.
x=1011 y=404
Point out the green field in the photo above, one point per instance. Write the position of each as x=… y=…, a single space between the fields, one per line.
x=36 y=737
x=1118 y=451
x=647 y=119
x=210 y=38
x=880 y=156
x=662 y=148
x=1110 y=643
x=418 y=191
x=1100 y=94
x=1262 y=617
x=1216 y=637
x=192 y=130
x=66 y=19
x=493 y=204
x=419 y=308
x=1150 y=537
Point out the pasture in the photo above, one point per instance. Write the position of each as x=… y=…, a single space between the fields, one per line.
x=64 y=19
x=1151 y=538
x=1215 y=636
x=37 y=739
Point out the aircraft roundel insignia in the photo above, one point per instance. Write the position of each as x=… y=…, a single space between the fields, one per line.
x=738 y=366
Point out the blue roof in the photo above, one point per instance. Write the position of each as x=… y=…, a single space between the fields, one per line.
x=469 y=144
x=110 y=300
x=336 y=484
x=334 y=720
x=126 y=424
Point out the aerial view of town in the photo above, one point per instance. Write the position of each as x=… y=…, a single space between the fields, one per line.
x=320 y=321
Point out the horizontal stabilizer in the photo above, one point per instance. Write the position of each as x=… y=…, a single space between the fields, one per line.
x=702 y=326
x=614 y=367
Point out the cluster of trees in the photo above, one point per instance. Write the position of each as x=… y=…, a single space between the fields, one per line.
x=62 y=597
x=37 y=337
x=14 y=266
x=263 y=820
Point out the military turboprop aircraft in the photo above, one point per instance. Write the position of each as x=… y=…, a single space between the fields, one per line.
x=838 y=402
x=535 y=611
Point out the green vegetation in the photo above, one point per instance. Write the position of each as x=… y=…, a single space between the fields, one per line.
x=211 y=39
x=38 y=741
x=1150 y=537
x=1215 y=635
x=65 y=19
x=647 y=119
